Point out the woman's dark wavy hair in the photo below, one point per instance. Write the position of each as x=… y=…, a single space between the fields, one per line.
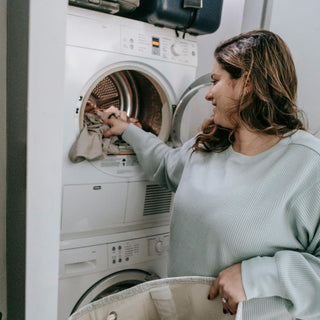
x=270 y=106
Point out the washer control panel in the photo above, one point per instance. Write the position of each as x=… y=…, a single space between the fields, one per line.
x=138 y=250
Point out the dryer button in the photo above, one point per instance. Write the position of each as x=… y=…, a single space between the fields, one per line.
x=176 y=49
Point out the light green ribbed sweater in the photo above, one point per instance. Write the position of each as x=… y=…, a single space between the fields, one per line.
x=262 y=211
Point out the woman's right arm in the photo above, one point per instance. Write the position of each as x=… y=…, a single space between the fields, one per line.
x=160 y=162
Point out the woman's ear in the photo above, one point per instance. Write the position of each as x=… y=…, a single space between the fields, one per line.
x=247 y=82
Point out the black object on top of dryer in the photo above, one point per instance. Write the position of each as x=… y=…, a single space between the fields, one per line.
x=192 y=16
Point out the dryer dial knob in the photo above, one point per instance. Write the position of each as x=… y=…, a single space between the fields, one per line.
x=176 y=49
x=159 y=247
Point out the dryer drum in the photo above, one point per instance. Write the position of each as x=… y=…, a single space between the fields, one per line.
x=130 y=91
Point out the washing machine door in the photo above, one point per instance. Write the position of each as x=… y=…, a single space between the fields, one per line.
x=113 y=283
x=192 y=109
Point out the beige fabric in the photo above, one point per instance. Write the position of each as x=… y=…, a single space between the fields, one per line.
x=90 y=144
x=183 y=298
x=164 y=303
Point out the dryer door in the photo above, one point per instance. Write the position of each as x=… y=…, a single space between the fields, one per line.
x=136 y=88
x=112 y=284
x=192 y=109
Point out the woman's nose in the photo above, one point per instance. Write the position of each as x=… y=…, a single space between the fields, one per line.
x=208 y=95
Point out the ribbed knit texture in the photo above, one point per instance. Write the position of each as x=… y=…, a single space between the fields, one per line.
x=262 y=211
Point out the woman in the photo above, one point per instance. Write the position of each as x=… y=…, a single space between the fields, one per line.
x=247 y=203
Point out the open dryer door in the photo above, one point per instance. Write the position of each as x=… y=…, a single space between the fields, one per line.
x=191 y=111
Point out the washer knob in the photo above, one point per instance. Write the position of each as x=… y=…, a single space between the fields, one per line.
x=159 y=247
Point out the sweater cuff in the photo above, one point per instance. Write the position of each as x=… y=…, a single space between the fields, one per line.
x=260 y=277
x=129 y=135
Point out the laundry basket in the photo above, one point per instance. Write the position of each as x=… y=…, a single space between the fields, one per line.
x=182 y=298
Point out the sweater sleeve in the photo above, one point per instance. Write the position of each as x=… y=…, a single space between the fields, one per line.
x=292 y=275
x=160 y=162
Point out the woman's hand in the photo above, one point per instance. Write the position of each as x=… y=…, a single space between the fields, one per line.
x=117 y=126
x=105 y=114
x=229 y=287
x=118 y=121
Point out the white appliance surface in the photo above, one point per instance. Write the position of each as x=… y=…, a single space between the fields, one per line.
x=112 y=194
x=95 y=267
x=114 y=222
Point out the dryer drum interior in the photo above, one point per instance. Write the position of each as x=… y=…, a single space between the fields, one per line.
x=131 y=91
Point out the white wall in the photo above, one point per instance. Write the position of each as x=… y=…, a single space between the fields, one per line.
x=44 y=155
x=231 y=22
x=3 y=49
x=253 y=15
x=298 y=23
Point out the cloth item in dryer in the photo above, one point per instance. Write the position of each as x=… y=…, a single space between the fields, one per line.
x=183 y=298
x=90 y=144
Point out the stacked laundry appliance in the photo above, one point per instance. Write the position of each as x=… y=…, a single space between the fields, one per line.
x=114 y=221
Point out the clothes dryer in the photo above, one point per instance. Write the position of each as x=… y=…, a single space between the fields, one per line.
x=141 y=69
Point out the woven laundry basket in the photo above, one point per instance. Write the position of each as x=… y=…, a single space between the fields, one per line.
x=182 y=298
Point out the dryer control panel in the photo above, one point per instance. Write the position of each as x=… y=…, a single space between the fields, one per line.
x=95 y=30
x=157 y=46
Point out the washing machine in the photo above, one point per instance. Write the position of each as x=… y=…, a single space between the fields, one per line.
x=91 y=269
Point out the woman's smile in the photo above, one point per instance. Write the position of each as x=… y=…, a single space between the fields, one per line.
x=224 y=95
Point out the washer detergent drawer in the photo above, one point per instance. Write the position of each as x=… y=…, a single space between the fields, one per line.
x=83 y=261
x=93 y=207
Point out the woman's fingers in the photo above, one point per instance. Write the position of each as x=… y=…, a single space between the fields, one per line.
x=118 y=121
x=114 y=110
x=117 y=127
x=225 y=300
x=214 y=290
x=123 y=116
x=228 y=285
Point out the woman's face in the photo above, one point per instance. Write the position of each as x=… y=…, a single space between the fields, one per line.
x=224 y=94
